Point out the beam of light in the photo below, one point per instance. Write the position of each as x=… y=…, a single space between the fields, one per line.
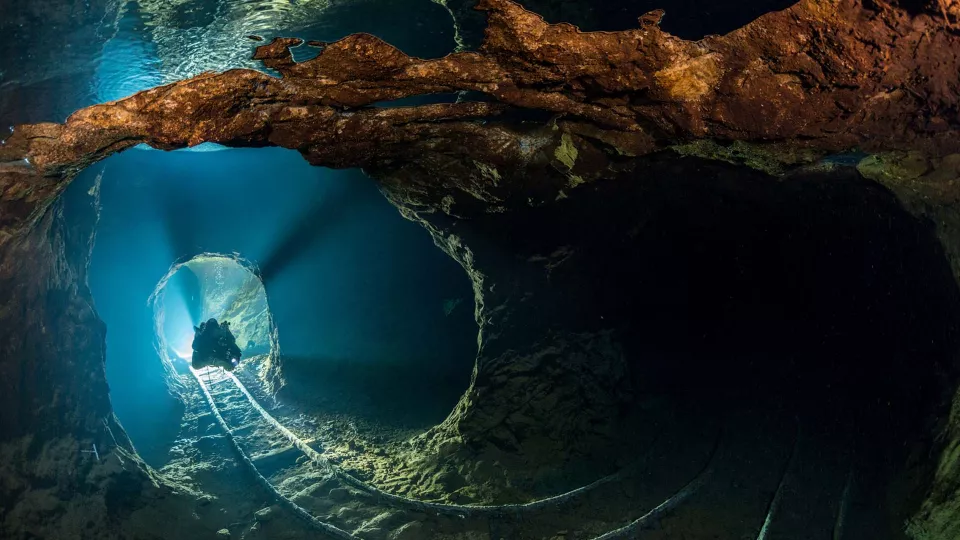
x=178 y=323
x=313 y=222
x=172 y=206
x=183 y=345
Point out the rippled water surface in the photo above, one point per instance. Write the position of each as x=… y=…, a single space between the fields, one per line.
x=68 y=54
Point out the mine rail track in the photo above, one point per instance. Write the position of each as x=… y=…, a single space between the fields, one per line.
x=340 y=505
x=254 y=433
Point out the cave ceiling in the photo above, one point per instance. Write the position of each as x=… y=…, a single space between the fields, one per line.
x=819 y=78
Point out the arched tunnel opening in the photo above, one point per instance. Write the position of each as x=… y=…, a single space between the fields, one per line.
x=816 y=292
x=226 y=289
x=372 y=327
x=804 y=324
x=809 y=316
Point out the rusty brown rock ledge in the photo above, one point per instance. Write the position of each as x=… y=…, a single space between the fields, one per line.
x=824 y=75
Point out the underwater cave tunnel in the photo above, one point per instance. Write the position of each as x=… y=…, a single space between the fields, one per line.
x=374 y=321
x=816 y=298
x=817 y=293
x=812 y=311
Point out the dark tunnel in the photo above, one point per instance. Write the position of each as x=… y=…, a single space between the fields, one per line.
x=811 y=311
x=811 y=303
x=817 y=294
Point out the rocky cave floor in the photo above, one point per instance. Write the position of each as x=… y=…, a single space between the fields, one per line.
x=739 y=463
x=397 y=459
x=384 y=455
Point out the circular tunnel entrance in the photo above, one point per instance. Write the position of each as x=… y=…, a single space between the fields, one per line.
x=817 y=292
x=226 y=288
x=365 y=300
x=753 y=306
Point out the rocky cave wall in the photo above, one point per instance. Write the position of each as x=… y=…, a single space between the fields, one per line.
x=45 y=292
x=55 y=396
x=794 y=86
x=593 y=301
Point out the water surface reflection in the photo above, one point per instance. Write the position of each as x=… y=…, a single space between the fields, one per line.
x=108 y=50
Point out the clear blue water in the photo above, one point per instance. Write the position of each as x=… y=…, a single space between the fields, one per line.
x=355 y=289
x=106 y=50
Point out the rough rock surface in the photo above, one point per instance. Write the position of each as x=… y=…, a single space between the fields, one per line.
x=827 y=75
x=68 y=468
x=567 y=108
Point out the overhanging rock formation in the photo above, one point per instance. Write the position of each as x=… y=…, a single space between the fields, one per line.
x=828 y=76
x=561 y=109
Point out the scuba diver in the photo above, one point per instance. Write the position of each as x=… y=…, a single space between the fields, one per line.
x=214 y=345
